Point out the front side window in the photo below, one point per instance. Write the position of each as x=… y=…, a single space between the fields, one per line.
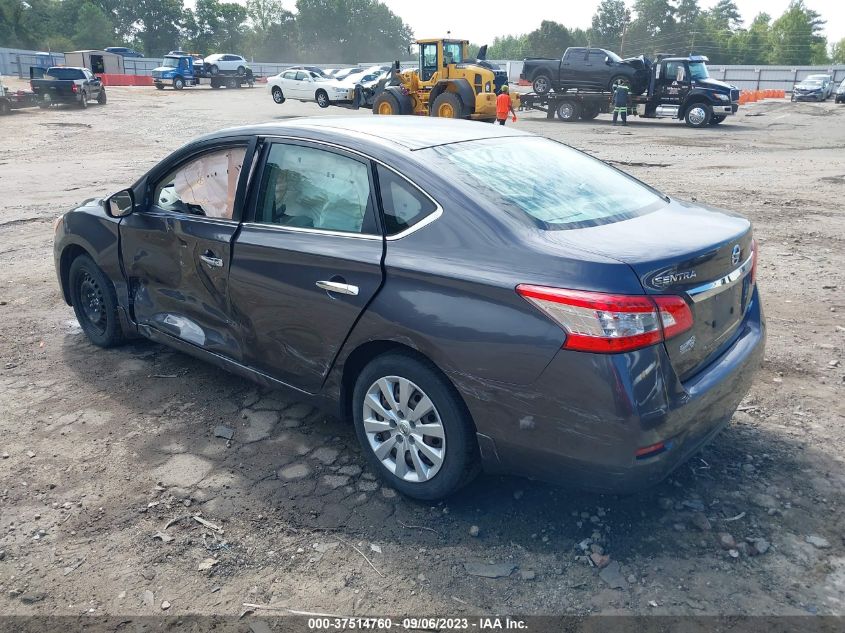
x=311 y=188
x=597 y=57
x=553 y=185
x=404 y=205
x=301 y=76
x=204 y=186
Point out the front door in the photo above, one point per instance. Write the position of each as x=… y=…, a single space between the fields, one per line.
x=674 y=84
x=177 y=252
x=309 y=261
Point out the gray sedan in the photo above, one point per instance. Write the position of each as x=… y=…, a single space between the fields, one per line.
x=470 y=297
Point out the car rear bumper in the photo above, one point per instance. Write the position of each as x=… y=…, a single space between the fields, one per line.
x=585 y=418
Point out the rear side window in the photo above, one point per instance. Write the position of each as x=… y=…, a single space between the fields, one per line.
x=404 y=205
x=555 y=186
x=312 y=188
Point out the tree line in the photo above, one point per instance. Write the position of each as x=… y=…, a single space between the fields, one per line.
x=367 y=30
x=682 y=27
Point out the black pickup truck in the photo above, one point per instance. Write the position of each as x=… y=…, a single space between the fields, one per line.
x=64 y=84
x=586 y=68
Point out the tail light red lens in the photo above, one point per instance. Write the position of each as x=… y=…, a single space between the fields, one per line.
x=73 y=87
x=606 y=323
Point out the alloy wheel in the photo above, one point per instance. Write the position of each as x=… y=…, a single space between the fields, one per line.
x=404 y=429
x=697 y=115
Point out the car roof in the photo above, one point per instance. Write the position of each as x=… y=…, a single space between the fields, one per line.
x=412 y=133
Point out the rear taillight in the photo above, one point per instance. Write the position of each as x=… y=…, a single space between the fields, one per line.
x=754 y=249
x=73 y=87
x=598 y=322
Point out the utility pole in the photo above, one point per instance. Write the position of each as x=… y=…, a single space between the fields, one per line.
x=692 y=43
x=622 y=43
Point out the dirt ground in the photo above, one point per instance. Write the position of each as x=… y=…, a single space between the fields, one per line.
x=108 y=455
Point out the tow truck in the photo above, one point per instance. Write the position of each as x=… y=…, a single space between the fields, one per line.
x=678 y=88
x=184 y=69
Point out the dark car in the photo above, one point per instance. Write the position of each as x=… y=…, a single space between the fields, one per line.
x=809 y=90
x=123 y=51
x=559 y=319
x=586 y=68
x=840 y=93
x=67 y=84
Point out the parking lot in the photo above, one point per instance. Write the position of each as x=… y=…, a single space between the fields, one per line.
x=108 y=455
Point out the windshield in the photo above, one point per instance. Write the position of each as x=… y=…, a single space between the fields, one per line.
x=613 y=56
x=171 y=62
x=811 y=84
x=698 y=70
x=453 y=52
x=555 y=186
x=64 y=73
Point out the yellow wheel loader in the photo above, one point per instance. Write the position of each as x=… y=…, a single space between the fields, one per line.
x=447 y=84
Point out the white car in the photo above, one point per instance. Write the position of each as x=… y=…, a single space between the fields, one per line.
x=306 y=85
x=225 y=62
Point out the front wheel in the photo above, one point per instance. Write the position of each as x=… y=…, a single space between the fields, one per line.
x=94 y=302
x=322 y=98
x=101 y=98
x=542 y=84
x=386 y=104
x=241 y=71
x=178 y=83
x=278 y=96
x=213 y=69
x=698 y=115
x=413 y=428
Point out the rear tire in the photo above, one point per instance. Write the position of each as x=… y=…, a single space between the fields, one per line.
x=568 y=111
x=5 y=108
x=159 y=86
x=102 y=98
x=590 y=111
x=94 y=303
x=278 y=95
x=542 y=84
x=322 y=98
x=448 y=105
x=698 y=115
x=448 y=459
x=716 y=119
x=83 y=101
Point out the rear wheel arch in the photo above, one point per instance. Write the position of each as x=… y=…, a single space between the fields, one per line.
x=367 y=352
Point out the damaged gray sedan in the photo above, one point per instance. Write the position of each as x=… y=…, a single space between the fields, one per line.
x=559 y=320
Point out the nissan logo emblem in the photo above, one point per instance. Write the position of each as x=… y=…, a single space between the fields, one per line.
x=735 y=253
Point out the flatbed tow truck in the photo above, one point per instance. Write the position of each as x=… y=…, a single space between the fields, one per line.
x=182 y=70
x=679 y=88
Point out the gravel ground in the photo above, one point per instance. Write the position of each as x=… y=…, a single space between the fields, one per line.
x=108 y=455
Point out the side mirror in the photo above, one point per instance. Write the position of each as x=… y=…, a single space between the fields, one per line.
x=607 y=60
x=121 y=204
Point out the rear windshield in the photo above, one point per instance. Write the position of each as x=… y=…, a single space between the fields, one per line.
x=64 y=73
x=553 y=185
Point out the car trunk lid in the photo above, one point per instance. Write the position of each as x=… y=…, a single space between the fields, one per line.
x=703 y=255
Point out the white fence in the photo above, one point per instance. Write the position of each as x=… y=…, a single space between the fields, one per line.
x=18 y=62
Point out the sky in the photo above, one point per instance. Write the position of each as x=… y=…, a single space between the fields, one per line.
x=480 y=22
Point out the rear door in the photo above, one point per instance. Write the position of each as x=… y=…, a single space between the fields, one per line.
x=308 y=262
x=176 y=252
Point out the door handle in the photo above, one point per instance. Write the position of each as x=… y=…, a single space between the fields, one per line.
x=211 y=260
x=338 y=287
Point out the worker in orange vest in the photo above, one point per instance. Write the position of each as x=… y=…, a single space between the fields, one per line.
x=504 y=106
